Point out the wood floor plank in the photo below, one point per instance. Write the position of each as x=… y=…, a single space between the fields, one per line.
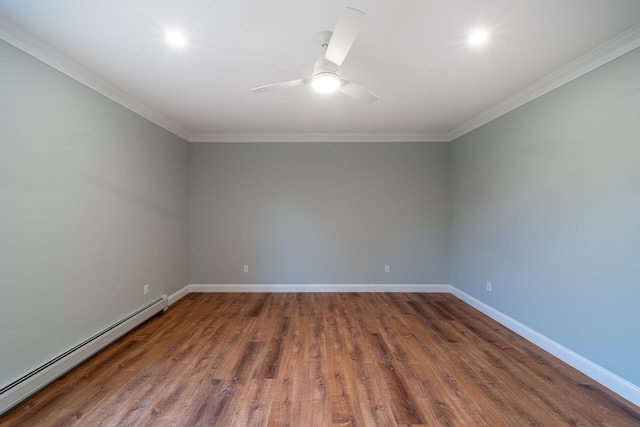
x=322 y=359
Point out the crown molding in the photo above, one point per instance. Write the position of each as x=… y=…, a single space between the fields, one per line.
x=30 y=44
x=27 y=42
x=607 y=52
x=319 y=137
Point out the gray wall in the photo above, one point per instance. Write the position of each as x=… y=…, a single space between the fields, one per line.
x=546 y=206
x=322 y=213
x=94 y=205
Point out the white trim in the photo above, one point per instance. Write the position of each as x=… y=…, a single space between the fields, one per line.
x=44 y=375
x=317 y=288
x=319 y=137
x=596 y=372
x=28 y=43
x=607 y=52
x=179 y=294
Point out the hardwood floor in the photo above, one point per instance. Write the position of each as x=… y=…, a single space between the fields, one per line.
x=323 y=359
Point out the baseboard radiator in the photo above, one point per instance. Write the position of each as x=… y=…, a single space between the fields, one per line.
x=22 y=388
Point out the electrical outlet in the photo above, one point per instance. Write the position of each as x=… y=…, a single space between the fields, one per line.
x=246 y=269
x=488 y=286
x=386 y=268
x=145 y=290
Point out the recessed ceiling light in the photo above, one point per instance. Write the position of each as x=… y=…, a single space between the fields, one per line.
x=176 y=38
x=478 y=37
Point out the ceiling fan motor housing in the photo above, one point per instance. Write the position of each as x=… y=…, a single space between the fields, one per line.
x=323 y=65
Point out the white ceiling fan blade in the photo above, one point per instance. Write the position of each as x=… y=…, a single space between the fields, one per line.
x=344 y=35
x=281 y=85
x=357 y=92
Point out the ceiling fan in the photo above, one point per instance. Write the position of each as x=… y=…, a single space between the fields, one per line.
x=336 y=46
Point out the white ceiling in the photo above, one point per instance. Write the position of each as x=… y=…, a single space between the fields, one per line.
x=412 y=53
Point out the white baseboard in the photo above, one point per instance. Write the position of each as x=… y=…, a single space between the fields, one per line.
x=318 y=288
x=596 y=372
x=180 y=293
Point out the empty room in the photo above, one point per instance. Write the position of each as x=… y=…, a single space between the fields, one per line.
x=361 y=213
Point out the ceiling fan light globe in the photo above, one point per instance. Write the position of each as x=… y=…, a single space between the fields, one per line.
x=325 y=82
